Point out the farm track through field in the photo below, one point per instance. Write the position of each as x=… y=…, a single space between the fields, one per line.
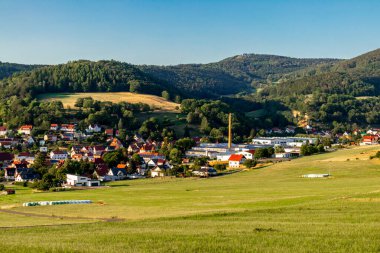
x=60 y=217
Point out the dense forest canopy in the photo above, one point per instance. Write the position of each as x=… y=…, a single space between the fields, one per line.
x=8 y=69
x=82 y=76
x=232 y=75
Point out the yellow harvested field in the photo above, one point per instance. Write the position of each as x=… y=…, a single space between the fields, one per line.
x=364 y=155
x=68 y=99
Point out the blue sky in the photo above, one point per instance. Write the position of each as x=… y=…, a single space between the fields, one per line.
x=193 y=31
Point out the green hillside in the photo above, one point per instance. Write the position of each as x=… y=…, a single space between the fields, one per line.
x=230 y=76
x=359 y=76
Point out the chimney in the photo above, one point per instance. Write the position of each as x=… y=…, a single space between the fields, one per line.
x=229 y=130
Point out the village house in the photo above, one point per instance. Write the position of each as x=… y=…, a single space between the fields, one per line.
x=93 y=129
x=134 y=148
x=24 y=156
x=101 y=173
x=29 y=140
x=283 y=155
x=54 y=127
x=158 y=171
x=370 y=140
x=68 y=128
x=75 y=180
x=6 y=158
x=50 y=138
x=247 y=154
x=138 y=138
x=142 y=170
x=290 y=129
x=44 y=149
x=205 y=172
x=75 y=149
x=26 y=129
x=152 y=163
x=87 y=149
x=109 y=132
x=67 y=136
x=99 y=150
x=25 y=175
x=116 y=144
x=20 y=164
x=235 y=160
x=277 y=130
x=3 y=131
x=58 y=155
x=148 y=147
x=373 y=131
x=117 y=173
x=89 y=156
x=6 y=143
x=41 y=142
x=9 y=174
x=77 y=157
x=149 y=156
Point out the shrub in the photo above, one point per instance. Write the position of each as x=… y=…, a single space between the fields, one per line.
x=250 y=163
x=220 y=167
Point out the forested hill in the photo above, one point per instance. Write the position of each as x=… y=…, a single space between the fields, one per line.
x=359 y=76
x=232 y=75
x=83 y=76
x=7 y=69
x=229 y=76
x=261 y=68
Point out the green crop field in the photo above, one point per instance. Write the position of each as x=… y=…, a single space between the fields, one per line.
x=272 y=209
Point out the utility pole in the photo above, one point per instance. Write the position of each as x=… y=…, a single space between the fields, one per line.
x=229 y=130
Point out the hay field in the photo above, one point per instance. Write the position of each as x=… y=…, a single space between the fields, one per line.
x=68 y=99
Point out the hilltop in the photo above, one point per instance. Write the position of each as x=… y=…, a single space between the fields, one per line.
x=232 y=75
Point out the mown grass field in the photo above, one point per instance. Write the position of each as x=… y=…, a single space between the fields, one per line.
x=272 y=209
x=69 y=99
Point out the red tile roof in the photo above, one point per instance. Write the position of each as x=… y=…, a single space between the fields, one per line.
x=235 y=158
x=26 y=127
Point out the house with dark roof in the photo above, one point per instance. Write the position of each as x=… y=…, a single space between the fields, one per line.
x=101 y=173
x=58 y=155
x=99 y=150
x=152 y=163
x=9 y=174
x=25 y=175
x=6 y=158
x=117 y=173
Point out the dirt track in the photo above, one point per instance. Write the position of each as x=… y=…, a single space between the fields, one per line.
x=59 y=217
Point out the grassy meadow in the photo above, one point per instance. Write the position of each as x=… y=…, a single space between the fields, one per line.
x=69 y=99
x=272 y=209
